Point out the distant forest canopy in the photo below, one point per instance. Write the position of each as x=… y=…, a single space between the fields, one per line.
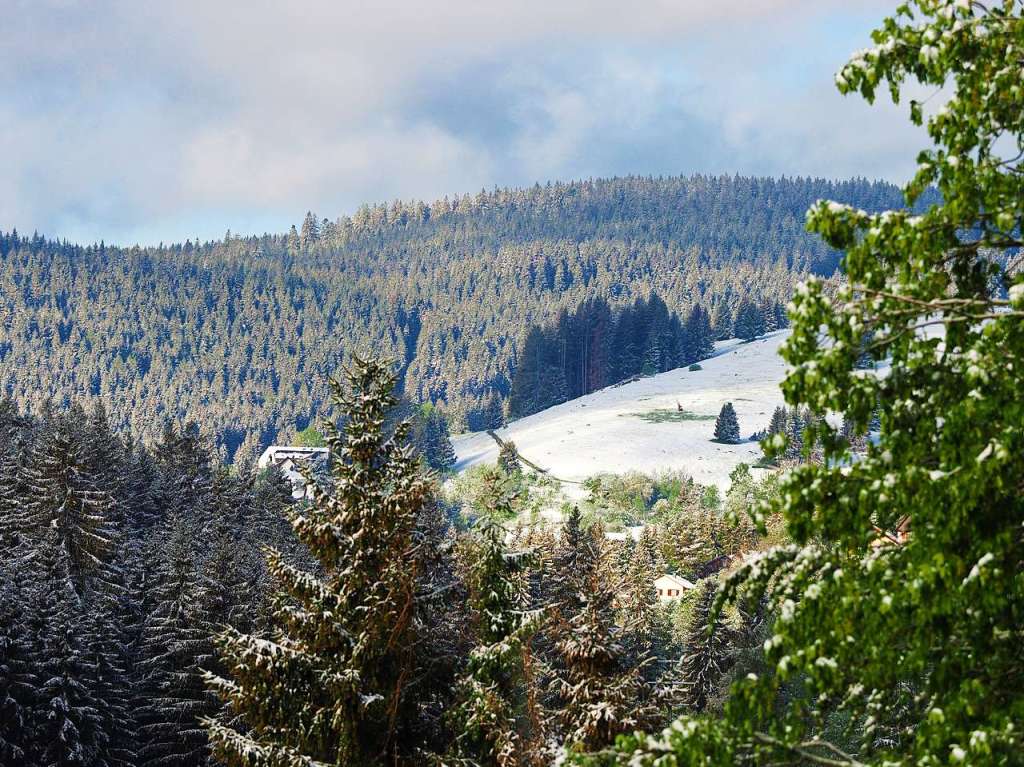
x=241 y=334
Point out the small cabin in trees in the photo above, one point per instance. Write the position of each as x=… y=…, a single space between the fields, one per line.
x=620 y=536
x=291 y=461
x=671 y=587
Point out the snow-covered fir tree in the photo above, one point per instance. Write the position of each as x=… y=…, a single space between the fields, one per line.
x=176 y=645
x=330 y=681
x=707 y=652
x=65 y=497
x=727 y=425
x=599 y=691
x=491 y=721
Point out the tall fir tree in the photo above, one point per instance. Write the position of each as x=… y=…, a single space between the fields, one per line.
x=329 y=685
x=700 y=338
x=68 y=722
x=721 y=321
x=575 y=557
x=491 y=719
x=18 y=671
x=494 y=413
x=706 y=657
x=176 y=645
x=749 y=323
x=599 y=691
x=727 y=425
x=433 y=440
x=67 y=499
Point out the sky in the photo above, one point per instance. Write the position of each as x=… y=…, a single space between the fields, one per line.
x=145 y=121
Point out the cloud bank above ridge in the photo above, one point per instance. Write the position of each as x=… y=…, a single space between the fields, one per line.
x=145 y=121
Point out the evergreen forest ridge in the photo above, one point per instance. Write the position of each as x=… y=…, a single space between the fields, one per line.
x=241 y=334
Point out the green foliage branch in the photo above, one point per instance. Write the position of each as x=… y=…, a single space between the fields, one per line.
x=914 y=642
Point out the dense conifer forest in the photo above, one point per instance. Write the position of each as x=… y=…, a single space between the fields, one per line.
x=170 y=600
x=240 y=334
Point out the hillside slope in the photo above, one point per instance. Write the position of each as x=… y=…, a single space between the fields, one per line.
x=241 y=334
x=637 y=426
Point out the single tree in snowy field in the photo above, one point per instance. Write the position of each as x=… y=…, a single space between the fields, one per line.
x=727 y=425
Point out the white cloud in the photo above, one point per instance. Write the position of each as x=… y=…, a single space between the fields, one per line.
x=117 y=115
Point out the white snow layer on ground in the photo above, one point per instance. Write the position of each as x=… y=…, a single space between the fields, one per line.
x=602 y=433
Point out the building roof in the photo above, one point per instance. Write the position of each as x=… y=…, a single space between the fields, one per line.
x=622 y=535
x=676 y=581
x=280 y=453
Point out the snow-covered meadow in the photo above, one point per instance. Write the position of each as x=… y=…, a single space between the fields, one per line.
x=637 y=426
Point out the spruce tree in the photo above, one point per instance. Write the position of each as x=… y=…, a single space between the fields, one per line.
x=575 y=557
x=68 y=719
x=108 y=658
x=528 y=379
x=490 y=719
x=441 y=453
x=749 y=322
x=176 y=645
x=18 y=679
x=65 y=497
x=699 y=335
x=778 y=422
x=444 y=630
x=721 y=321
x=494 y=414
x=329 y=683
x=508 y=458
x=647 y=558
x=706 y=657
x=599 y=690
x=794 y=436
x=727 y=425
x=646 y=635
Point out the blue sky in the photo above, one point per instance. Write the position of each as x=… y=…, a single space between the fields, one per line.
x=144 y=121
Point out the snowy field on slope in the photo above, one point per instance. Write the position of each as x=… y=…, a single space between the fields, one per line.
x=605 y=431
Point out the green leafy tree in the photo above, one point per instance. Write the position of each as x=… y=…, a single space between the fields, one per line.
x=923 y=637
x=310 y=437
x=328 y=685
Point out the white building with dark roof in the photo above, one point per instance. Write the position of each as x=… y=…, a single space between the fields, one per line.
x=290 y=460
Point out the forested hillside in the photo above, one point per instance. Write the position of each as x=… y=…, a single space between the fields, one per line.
x=149 y=566
x=240 y=334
